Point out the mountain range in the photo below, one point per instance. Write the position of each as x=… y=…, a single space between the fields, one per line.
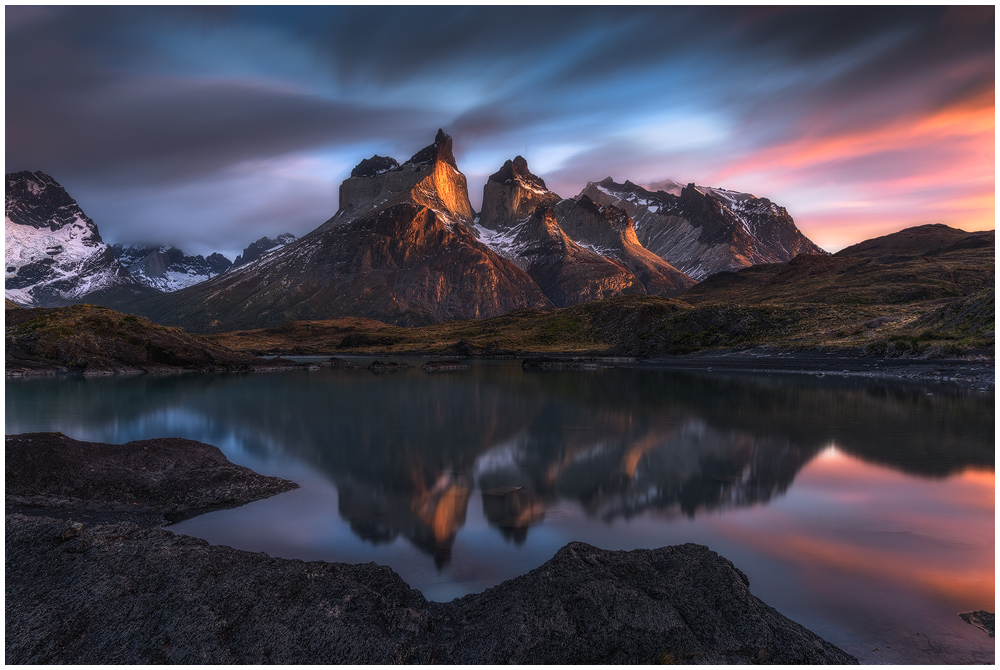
x=406 y=247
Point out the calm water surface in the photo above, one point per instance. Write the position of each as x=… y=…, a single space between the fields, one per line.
x=863 y=510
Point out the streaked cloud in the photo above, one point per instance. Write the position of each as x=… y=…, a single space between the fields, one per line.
x=859 y=120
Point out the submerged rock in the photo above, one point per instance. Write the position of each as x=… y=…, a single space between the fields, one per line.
x=379 y=367
x=547 y=363
x=444 y=366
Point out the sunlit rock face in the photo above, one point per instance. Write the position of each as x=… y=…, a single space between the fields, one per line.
x=511 y=195
x=610 y=232
x=400 y=250
x=430 y=178
x=565 y=271
x=54 y=252
x=519 y=222
x=701 y=230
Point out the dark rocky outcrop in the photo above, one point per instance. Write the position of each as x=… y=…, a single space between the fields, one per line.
x=552 y=363
x=160 y=476
x=981 y=619
x=392 y=366
x=116 y=590
x=374 y=166
x=444 y=366
x=260 y=247
x=145 y=595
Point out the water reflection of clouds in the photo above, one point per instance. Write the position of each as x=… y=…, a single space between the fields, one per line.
x=885 y=528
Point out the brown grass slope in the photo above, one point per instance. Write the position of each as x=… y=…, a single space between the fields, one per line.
x=925 y=290
x=99 y=340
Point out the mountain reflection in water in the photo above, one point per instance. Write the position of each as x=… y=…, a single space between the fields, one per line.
x=409 y=452
x=862 y=509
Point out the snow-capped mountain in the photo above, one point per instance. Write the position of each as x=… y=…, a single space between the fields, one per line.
x=167 y=268
x=703 y=230
x=262 y=246
x=54 y=252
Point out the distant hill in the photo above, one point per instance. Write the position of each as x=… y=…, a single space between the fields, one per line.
x=917 y=264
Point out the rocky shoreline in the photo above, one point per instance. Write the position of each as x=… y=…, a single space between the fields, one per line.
x=90 y=578
x=976 y=371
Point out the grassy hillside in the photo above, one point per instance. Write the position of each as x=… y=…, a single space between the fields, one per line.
x=85 y=338
x=926 y=290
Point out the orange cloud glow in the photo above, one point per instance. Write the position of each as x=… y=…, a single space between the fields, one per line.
x=849 y=185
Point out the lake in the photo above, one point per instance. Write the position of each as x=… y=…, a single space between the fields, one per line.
x=862 y=509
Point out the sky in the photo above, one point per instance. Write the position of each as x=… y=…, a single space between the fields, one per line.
x=209 y=127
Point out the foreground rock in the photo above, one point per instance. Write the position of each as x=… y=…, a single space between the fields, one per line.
x=120 y=593
x=161 y=476
x=116 y=591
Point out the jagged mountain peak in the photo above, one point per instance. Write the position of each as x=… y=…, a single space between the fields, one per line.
x=512 y=194
x=702 y=230
x=439 y=151
x=517 y=170
x=430 y=179
x=262 y=246
x=35 y=199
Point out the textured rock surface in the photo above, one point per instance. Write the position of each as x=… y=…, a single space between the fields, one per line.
x=567 y=273
x=120 y=593
x=116 y=591
x=701 y=230
x=165 y=475
x=610 y=231
x=512 y=194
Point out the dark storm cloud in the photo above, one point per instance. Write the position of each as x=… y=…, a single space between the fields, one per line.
x=194 y=107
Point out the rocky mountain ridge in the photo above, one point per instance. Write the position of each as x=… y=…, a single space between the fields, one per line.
x=53 y=250
x=702 y=230
x=399 y=249
x=261 y=246
x=167 y=268
x=406 y=247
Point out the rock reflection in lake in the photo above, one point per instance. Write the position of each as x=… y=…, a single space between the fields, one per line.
x=460 y=481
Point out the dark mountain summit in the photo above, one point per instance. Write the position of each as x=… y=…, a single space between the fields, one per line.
x=167 y=268
x=576 y=251
x=610 y=232
x=263 y=245
x=565 y=271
